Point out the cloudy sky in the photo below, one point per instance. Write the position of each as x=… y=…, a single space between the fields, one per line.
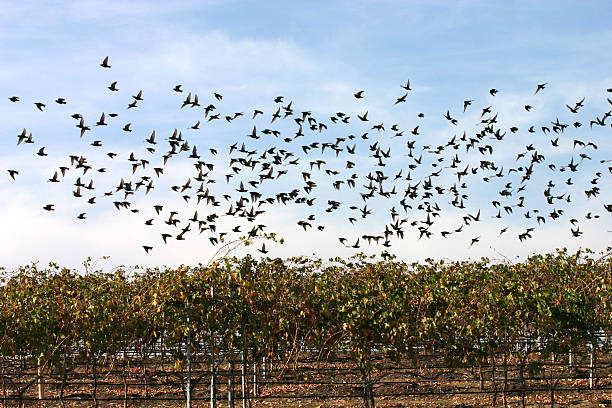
x=316 y=55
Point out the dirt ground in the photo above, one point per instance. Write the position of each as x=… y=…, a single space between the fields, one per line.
x=430 y=383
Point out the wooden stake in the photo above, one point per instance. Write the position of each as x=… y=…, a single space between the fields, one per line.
x=41 y=384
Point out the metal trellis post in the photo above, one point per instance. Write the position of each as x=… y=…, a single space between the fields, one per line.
x=213 y=403
x=188 y=351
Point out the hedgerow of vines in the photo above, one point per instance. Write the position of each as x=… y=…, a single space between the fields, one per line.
x=465 y=309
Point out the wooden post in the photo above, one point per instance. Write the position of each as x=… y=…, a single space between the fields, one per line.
x=505 y=388
x=125 y=385
x=63 y=384
x=591 y=365
x=493 y=383
x=144 y=370
x=4 y=402
x=552 y=384
x=41 y=383
x=480 y=376
x=244 y=379
x=230 y=380
x=255 y=390
x=265 y=371
x=95 y=380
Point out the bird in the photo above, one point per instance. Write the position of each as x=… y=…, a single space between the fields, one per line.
x=13 y=173
x=54 y=179
x=540 y=87
x=40 y=105
x=401 y=99
x=23 y=136
x=151 y=139
x=101 y=121
x=466 y=104
x=358 y=94
x=113 y=87
x=14 y=99
x=304 y=224
x=104 y=63
x=187 y=101
x=364 y=117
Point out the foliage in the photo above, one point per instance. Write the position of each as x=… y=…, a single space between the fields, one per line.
x=465 y=309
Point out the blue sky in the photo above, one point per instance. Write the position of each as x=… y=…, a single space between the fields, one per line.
x=316 y=54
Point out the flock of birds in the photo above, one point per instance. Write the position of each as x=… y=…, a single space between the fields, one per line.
x=320 y=149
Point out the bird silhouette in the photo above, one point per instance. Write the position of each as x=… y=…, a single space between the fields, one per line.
x=540 y=87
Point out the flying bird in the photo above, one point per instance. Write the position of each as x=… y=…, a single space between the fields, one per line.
x=466 y=104
x=540 y=87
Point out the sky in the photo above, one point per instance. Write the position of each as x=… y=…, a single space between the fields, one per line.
x=316 y=55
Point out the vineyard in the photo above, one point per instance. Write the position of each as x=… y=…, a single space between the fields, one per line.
x=270 y=332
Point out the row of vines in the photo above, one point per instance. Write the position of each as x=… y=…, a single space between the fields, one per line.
x=467 y=310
